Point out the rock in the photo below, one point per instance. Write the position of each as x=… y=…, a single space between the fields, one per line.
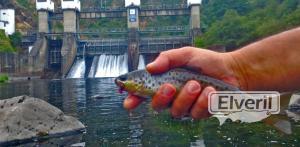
x=25 y=118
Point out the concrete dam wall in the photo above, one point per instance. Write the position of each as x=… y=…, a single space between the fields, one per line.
x=68 y=53
x=38 y=56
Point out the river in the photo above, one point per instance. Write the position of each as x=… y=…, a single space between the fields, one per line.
x=108 y=124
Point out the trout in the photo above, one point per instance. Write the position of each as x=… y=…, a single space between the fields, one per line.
x=142 y=84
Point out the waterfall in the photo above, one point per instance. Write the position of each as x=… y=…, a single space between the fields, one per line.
x=94 y=67
x=142 y=64
x=78 y=69
x=111 y=65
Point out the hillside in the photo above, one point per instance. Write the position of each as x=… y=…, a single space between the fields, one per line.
x=229 y=23
x=25 y=13
x=234 y=23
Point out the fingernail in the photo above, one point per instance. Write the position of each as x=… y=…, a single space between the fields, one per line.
x=193 y=87
x=207 y=92
x=167 y=91
x=151 y=64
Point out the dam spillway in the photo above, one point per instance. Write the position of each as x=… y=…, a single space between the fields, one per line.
x=101 y=66
x=111 y=66
x=78 y=69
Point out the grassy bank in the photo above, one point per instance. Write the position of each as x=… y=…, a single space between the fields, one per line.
x=3 y=78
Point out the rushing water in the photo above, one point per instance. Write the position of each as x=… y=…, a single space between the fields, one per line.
x=141 y=64
x=98 y=105
x=103 y=66
x=78 y=69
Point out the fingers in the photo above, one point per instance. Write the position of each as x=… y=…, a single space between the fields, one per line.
x=163 y=97
x=170 y=59
x=131 y=102
x=200 y=108
x=185 y=99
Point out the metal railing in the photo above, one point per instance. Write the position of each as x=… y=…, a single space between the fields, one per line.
x=104 y=46
x=157 y=45
x=164 y=29
x=55 y=57
x=164 y=6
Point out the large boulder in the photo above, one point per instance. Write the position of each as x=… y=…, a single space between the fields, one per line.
x=25 y=118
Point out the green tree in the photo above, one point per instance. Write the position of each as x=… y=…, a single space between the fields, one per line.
x=229 y=32
x=233 y=23
x=5 y=44
x=16 y=39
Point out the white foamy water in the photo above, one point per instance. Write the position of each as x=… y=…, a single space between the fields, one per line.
x=78 y=69
x=142 y=64
x=111 y=65
x=94 y=67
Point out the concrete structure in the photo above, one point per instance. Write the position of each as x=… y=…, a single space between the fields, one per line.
x=38 y=55
x=71 y=24
x=133 y=17
x=70 y=12
x=133 y=34
x=70 y=21
x=195 y=27
x=132 y=13
x=43 y=19
x=46 y=5
x=68 y=53
x=71 y=4
x=7 y=21
x=193 y=2
x=132 y=3
x=134 y=44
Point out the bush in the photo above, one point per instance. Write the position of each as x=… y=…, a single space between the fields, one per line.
x=5 y=44
x=3 y=78
x=16 y=39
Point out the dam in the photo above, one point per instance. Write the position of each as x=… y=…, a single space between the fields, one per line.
x=74 y=56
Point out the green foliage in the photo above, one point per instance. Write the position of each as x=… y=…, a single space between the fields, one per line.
x=3 y=78
x=16 y=39
x=234 y=23
x=26 y=4
x=5 y=44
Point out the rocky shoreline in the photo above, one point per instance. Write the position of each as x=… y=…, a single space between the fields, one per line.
x=25 y=119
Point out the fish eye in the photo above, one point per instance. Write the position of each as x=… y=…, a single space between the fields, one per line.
x=123 y=78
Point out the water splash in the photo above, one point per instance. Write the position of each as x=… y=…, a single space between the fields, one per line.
x=78 y=69
x=111 y=65
x=94 y=67
x=142 y=64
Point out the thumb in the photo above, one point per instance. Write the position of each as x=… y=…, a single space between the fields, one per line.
x=170 y=59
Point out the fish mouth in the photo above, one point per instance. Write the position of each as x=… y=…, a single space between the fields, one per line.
x=120 y=84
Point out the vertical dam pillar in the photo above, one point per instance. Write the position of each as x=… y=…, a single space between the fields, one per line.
x=38 y=56
x=43 y=21
x=133 y=7
x=69 y=47
x=195 y=28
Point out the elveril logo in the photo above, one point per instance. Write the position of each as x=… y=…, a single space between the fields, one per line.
x=227 y=102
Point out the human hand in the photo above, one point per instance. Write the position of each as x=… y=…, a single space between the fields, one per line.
x=192 y=99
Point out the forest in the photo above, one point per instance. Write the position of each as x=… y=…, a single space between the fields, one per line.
x=235 y=23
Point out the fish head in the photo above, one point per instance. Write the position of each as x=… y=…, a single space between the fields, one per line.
x=134 y=84
x=122 y=82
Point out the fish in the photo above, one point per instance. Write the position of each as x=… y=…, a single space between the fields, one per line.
x=144 y=85
x=141 y=83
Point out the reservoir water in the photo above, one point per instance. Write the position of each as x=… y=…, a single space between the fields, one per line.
x=97 y=103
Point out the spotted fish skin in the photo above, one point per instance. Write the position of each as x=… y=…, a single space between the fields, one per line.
x=177 y=77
